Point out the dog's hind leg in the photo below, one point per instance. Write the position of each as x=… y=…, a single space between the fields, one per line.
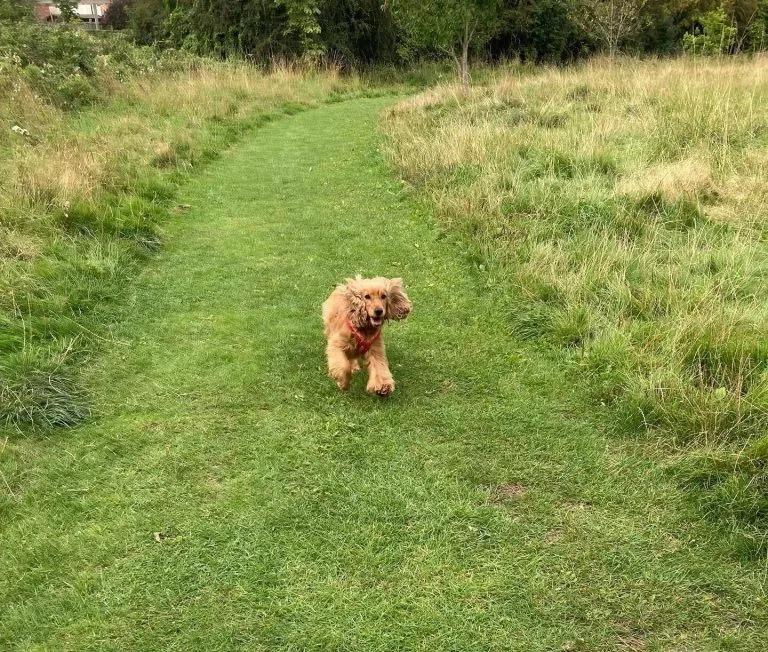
x=339 y=367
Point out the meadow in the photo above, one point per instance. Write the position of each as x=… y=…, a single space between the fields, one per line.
x=97 y=135
x=619 y=208
x=224 y=494
x=586 y=251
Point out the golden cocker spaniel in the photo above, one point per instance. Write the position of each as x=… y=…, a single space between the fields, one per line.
x=353 y=316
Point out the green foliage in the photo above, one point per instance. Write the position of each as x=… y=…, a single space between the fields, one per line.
x=68 y=10
x=302 y=25
x=15 y=10
x=449 y=26
x=346 y=30
x=148 y=20
x=731 y=27
x=59 y=63
x=398 y=31
x=116 y=15
x=69 y=66
x=717 y=35
x=541 y=30
x=358 y=31
x=446 y=24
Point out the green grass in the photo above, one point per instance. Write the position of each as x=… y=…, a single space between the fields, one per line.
x=482 y=507
x=84 y=196
x=618 y=208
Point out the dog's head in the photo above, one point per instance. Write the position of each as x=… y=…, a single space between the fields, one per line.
x=372 y=300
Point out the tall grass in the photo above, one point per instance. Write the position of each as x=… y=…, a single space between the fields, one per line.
x=84 y=194
x=621 y=207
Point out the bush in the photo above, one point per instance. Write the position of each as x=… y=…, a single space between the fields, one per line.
x=59 y=63
x=717 y=35
x=15 y=10
x=73 y=68
x=541 y=31
x=730 y=28
x=116 y=16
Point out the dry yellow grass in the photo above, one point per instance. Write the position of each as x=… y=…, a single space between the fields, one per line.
x=67 y=164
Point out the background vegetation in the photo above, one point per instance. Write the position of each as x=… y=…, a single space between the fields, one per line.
x=395 y=31
x=620 y=207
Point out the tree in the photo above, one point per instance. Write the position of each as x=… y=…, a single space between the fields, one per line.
x=664 y=22
x=451 y=26
x=68 y=10
x=611 y=22
x=116 y=15
x=302 y=25
x=749 y=19
x=717 y=36
x=539 y=30
x=355 y=31
x=147 y=19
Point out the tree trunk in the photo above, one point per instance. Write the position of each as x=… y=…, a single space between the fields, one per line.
x=464 y=61
x=464 y=64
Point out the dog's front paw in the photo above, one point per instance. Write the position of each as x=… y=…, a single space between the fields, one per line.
x=341 y=380
x=384 y=388
x=342 y=383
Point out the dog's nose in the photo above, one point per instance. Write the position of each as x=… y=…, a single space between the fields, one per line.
x=378 y=312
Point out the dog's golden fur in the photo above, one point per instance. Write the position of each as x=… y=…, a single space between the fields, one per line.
x=362 y=304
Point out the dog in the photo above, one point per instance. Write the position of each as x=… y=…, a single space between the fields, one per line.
x=354 y=315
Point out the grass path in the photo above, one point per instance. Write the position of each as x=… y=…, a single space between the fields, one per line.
x=479 y=508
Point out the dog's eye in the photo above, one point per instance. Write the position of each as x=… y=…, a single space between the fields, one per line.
x=383 y=296
x=367 y=296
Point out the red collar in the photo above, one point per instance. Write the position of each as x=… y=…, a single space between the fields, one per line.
x=363 y=343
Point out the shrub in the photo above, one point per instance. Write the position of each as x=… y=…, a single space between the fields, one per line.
x=16 y=10
x=717 y=34
x=73 y=68
x=116 y=15
x=59 y=63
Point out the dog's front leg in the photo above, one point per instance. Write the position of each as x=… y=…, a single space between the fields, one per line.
x=380 y=379
x=339 y=367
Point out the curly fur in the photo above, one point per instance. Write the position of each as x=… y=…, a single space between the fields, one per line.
x=365 y=304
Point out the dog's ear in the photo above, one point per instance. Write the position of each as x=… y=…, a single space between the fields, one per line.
x=355 y=303
x=398 y=303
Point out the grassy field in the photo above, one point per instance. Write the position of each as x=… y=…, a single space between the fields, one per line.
x=84 y=194
x=224 y=495
x=620 y=208
x=176 y=471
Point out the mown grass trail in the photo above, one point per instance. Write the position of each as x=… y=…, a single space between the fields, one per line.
x=477 y=509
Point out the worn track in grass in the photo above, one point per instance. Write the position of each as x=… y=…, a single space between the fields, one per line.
x=226 y=496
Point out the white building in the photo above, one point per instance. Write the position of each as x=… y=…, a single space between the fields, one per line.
x=90 y=14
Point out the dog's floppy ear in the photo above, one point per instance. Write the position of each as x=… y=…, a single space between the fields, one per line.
x=398 y=303
x=355 y=304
